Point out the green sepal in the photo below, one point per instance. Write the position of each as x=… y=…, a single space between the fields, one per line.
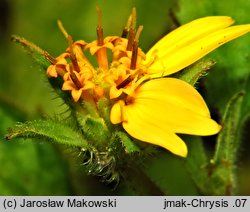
x=194 y=72
x=40 y=56
x=94 y=129
x=127 y=143
x=103 y=106
x=43 y=59
x=56 y=84
x=117 y=132
x=222 y=165
x=48 y=130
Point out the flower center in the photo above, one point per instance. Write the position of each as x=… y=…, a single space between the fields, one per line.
x=114 y=78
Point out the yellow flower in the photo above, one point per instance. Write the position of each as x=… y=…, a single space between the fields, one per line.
x=77 y=83
x=163 y=107
x=150 y=106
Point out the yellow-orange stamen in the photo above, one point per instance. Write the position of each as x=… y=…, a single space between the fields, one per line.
x=125 y=82
x=101 y=54
x=62 y=29
x=135 y=49
x=99 y=28
x=72 y=55
x=127 y=27
x=75 y=80
x=132 y=31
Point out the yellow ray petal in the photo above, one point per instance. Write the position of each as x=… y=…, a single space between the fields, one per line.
x=168 y=104
x=190 y=32
x=172 y=91
x=184 y=55
x=137 y=126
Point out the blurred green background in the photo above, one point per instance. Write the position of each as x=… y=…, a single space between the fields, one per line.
x=39 y=168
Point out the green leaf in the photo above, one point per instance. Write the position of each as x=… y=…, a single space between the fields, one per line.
x=224 y=160
x=193 y=73
x=31 y=168
x=48 y=130
x=227 y=143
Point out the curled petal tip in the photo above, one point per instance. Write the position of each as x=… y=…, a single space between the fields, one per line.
x=190 y=42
